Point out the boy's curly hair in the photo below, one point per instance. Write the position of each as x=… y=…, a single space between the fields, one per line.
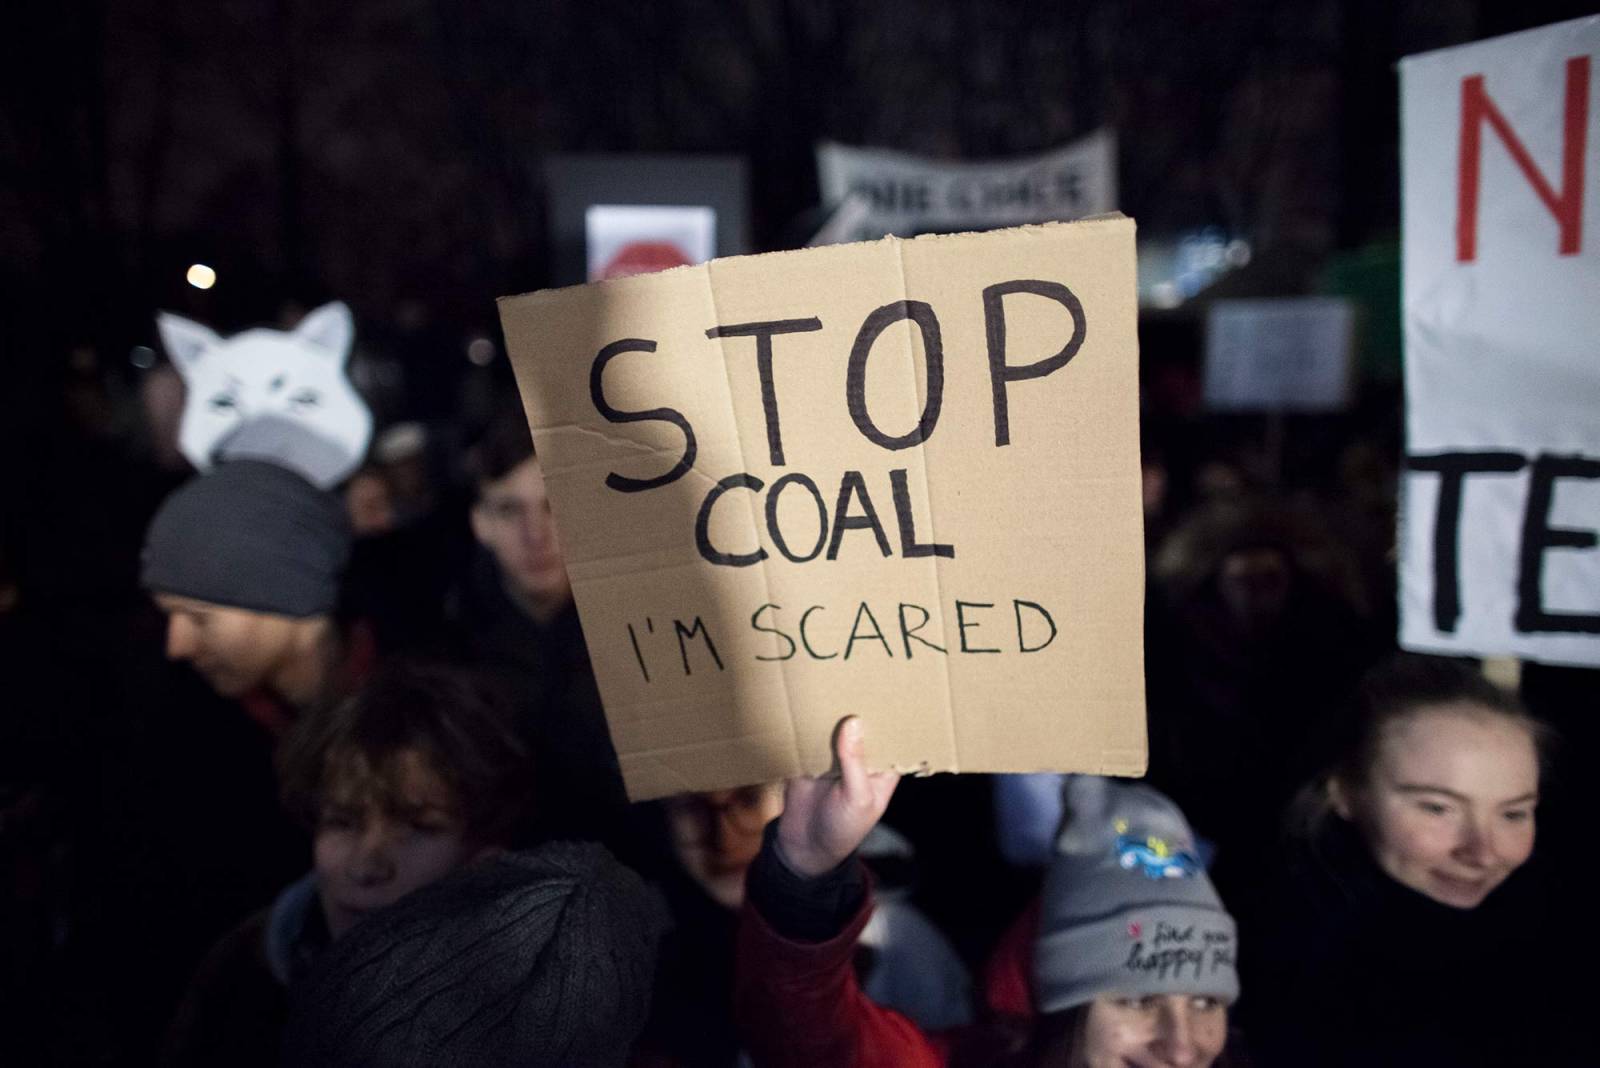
x=455 y=722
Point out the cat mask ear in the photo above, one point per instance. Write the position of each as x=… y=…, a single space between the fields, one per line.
x=184 y=340
x=329 y=327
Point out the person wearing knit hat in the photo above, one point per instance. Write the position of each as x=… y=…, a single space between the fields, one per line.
x=536 y=958
x=246 y=561
x=1127 y=960
x=1135 y=960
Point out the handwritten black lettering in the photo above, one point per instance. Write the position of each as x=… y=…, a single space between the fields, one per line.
x=597 y=395
x=962 y=625
x=764 y=333
x=852 y=485
x=909 y=634
x=687 y=633
x=773 y=530
x=856 y=635
x=755 y=622
x=805 y=640
x=855 y=391
x=702 y=524
x=1001 y=374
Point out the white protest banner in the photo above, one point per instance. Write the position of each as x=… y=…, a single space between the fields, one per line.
x=911 y=195
x=898 y=479
x=1278 y=354
x=1501 y=505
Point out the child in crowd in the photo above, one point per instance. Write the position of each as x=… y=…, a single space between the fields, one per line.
x=523 y=960
x=1407 y=909
x=415 y=777
x=1129 y=959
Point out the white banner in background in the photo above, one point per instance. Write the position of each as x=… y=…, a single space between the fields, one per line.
x=910 y=195
x=1501 y=506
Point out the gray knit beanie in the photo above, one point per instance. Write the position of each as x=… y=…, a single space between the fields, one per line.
x=251 y=533
x=544 y=957
x=1127 y=908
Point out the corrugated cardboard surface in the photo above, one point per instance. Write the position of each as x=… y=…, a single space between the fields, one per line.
x=1053 y=517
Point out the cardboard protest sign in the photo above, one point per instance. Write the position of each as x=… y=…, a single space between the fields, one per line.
x=897 y=479
x=1278 y=354
x=909 y=195
x=1501 y=260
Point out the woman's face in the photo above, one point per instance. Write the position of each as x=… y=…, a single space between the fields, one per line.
x=1159 y=1031
x=1449 y=806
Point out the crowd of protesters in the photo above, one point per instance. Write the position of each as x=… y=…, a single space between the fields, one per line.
x=312 y=777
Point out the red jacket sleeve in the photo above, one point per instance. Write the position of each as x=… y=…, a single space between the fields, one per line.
x=1008 y=979
x=799 y=1005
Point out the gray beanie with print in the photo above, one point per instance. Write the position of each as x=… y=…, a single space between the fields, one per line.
x=1127 y=909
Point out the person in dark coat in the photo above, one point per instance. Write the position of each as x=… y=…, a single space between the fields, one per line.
x=1254 y=640
x=1407 y=926
x=514 y=616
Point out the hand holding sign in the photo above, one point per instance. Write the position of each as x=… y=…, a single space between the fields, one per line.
x=826 y=819
x=906 y=471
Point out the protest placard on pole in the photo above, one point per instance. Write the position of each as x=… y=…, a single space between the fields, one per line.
x=909 y=195
x=1501 y=503
x=897 y=479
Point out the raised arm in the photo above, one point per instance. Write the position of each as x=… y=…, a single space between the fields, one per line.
x=796 y=996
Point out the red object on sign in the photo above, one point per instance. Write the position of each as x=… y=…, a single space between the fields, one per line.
x=644 y=257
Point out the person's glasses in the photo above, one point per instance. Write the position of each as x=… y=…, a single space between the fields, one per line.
x=744 y=811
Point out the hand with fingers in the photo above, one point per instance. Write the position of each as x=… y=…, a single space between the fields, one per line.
x=825 y=820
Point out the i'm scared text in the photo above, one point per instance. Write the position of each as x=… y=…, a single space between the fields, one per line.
x=817 y=633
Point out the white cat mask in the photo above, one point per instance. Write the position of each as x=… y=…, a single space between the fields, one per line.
x=297 y=375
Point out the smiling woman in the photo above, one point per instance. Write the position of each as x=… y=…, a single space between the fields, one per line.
x=1409 y=899
x=1447 y=808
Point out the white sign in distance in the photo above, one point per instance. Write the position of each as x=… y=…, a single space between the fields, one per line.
x=908 y=195
x=1279 y=354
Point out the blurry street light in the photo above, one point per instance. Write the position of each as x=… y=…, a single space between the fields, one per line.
x=200 y=276
x=481 y=352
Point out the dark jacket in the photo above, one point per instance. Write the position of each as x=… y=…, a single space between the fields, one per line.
x=237 y=1006
x=545 y=672
x=1346 y=967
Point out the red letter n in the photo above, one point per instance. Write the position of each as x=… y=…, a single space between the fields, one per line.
x=1476 y=109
